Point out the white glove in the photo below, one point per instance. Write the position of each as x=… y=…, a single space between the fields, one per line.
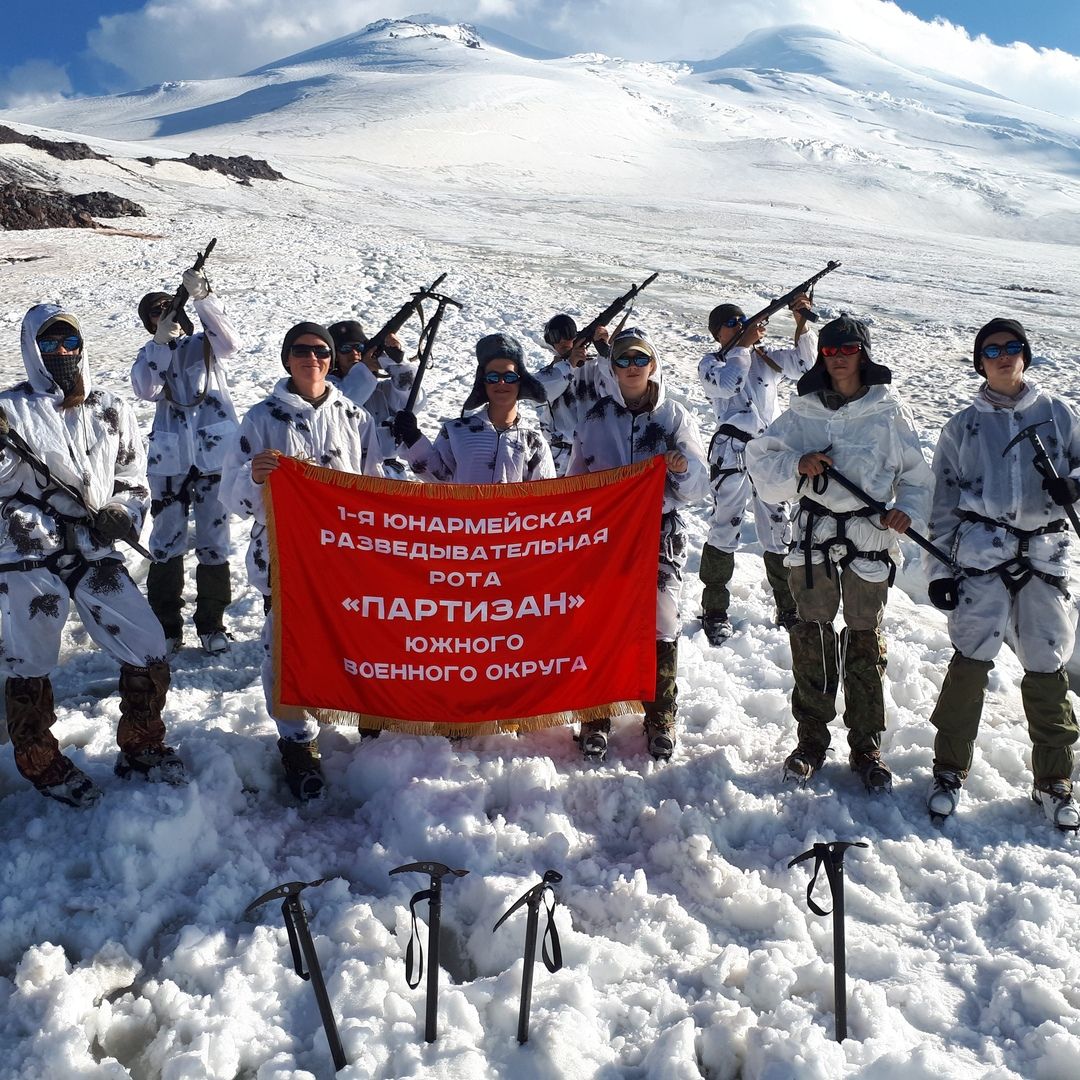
x=196 y=284
x=168 y=329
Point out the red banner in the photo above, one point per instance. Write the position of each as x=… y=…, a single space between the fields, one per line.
x=464 y=608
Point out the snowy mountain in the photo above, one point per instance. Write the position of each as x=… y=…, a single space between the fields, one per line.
x=541 y=183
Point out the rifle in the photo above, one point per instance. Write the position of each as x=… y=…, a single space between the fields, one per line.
x=587 y=335
x=397 y=321
x=180 y=298
x=23 y=450
x=780 y=302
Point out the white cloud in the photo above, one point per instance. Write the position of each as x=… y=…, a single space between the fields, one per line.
x=177 y=39
x=32 y=83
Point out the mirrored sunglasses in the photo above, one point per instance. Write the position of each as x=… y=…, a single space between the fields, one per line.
x=735 y=320
x=849 y=348
x=352 y=347
x=1010 y=348
x=320 y=352
x=48 y=346
x=637 y=359
x=508 y=377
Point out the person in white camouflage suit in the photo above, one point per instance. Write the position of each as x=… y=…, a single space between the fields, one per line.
x=56 y=551
x=194 y=421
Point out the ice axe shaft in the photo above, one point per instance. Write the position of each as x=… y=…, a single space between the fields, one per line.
x=1043 y=465
x=831 y=856
x=433 y=895
x=305 y=958
x=881 y=508
x=553 y=962
x=429 y=333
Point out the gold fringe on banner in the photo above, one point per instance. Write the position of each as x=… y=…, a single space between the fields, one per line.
x=439 y=727
x=567 y=485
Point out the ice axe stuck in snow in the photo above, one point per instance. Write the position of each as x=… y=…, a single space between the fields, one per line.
x=433 y=895
x=553 y=959
x=305 y=958
x=831 y=856
x=1043 y=465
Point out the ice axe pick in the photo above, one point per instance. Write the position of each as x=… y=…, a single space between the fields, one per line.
x=1043 y=465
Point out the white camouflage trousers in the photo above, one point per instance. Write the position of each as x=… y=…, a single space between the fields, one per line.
x=169 y=536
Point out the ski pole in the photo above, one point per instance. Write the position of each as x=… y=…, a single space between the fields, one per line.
x=553 y=961
x=305 y=958
x=831 y=856
x=881 y=508
x=1043 y=465
x=22 y=449
x=433 y=895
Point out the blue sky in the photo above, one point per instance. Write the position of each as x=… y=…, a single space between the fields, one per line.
x=63 y=47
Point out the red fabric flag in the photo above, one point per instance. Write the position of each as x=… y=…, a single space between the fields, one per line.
x=464 y=608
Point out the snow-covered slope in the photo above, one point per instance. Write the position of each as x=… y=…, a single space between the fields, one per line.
x=541 y=184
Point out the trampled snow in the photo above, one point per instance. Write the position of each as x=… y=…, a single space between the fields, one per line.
x=541 y=184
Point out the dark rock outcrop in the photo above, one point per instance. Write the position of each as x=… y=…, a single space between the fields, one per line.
x=23 y=207
x=65 y=151
x=242 y=168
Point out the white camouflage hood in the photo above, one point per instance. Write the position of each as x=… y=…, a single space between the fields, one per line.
x=35 y=320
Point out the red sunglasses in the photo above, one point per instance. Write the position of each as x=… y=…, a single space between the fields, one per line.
x=850 y=348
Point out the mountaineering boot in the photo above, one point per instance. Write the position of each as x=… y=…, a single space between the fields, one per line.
x=801 y=764
x=872 y=770
x=776 y=573
x=944 y=795
x=141 y=731
x=165 y=591
x=593 y=739
x=660 y=712
x=213 y=596
x=717 y=627
x=303 y=768
x=76 y=789
x=1055 y=797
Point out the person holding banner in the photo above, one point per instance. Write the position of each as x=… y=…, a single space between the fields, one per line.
x=305 y=417
x=633 y=422
x=381 y=391
x=494 y=445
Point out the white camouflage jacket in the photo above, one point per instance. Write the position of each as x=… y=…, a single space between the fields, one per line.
x=873 y=442
x=336 y=434
x=95 y=447
x=471 y=450
x=973 y=474
x=381 y=398
x=185 y=434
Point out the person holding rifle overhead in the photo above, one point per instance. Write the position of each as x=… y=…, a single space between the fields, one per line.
x=378 y=380
x=1007 y=471
x=845 y=417
x=495 y=444
x=184 y=373
x=570 y=382
x=741 y=380
x=72 y=483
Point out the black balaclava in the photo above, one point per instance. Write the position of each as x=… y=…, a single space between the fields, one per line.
x=346 y=332
x=63 y=368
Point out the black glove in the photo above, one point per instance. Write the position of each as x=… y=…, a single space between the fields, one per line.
x=405 y=428
x=1064 y=490
x=944 y=593
x=112 y=523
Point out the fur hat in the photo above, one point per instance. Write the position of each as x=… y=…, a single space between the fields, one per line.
x=1000 y=326
x=720 y=315
x=840 y=332
x=298 y=331
x=152 y=299
x=502 y=347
